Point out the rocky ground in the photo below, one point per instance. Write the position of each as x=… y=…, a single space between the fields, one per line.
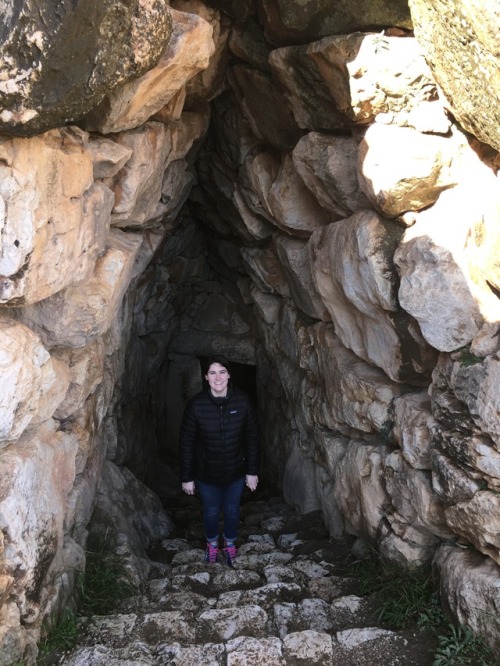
x=284 y=602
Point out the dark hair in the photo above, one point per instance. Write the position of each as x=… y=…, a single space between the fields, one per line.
x=217 y=358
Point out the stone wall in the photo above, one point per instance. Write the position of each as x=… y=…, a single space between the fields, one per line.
x=301 y=194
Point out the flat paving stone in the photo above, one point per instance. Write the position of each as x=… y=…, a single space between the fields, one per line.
x=253 y=652
x=353 y=638
x=222 y=624
x=279 y=573
x=260 y=561
x=307 y=614
x=234 y=579
x=208 y=654
x=310 y=648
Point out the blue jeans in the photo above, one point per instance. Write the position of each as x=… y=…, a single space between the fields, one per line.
x=216 y=497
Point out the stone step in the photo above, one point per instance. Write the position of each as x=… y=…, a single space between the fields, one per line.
x=283 y=603
x=366 y=646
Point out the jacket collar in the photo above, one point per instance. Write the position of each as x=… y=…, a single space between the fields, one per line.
x=222 y=400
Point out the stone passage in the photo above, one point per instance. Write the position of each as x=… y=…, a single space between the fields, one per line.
x=282 y=603
x=309 y=187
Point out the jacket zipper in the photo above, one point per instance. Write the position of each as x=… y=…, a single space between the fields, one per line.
x=222 y=436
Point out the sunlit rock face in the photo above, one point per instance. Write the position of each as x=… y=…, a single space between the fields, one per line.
x=48 y=193
x=187 y=52
x=286 y=190
x=461 y=40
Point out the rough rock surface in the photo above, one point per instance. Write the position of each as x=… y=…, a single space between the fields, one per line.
x=98 y=45
x=283 y=602
x=133 y=103
x=307 y=205
x=462 y=47
x=353 y=273
x=54 y=217
x=286 y=21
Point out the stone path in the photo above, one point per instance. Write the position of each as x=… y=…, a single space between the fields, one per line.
x=283 y=603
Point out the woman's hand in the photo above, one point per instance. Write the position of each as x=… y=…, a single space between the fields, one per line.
x=252 y=480
x=188 y=487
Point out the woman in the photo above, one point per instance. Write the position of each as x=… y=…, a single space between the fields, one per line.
x=219 y=453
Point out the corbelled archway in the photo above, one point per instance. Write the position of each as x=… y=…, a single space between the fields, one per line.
x=302 y=188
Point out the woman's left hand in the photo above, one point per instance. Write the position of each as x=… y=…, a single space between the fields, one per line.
x=252 y=480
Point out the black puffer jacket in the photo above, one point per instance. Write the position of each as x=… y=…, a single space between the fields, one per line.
x=219 y=438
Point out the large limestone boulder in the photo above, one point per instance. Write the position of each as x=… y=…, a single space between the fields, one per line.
x=359 y=489
x=354 y=78
x=292 y=205
x=468 y=585
x=348 y=391
x=354 y=275
x=293 y=254
x=413 y=424
x=108 y=156
x=132 y=514
x=36 y=475
x=76 y=316
x=260 y=170
x=299 y=482
x=33 y=384
x=208 y=83
x=328 y=166
x=58 y=63
x=54 y=218
x=478 y=522
x=265 y=106
x=247 y=43
x=460 y=40
x=85 y=371
x=441 y=284
x=401 y=169
x=474 y=382
x=288 y=21
x=417 y=515
x=188 y=52
x=265 y=270
x=143 y=187
x=450 y=482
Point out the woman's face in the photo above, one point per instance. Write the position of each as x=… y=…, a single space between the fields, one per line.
x=217 y=378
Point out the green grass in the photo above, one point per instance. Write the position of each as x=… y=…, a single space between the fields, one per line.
x=467 y=358
x=459 y=646
x=99 y=589
x=105 y=582
x=406 y=598
x=58 y=637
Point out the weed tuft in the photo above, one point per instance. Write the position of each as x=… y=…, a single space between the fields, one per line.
x=467 y=358
x=459 y=646
x=405 y=597
x=58 y=637
x=105 y=582
x=100 y=588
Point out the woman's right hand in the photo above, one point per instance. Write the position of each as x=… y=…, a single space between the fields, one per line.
x=188 y=487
